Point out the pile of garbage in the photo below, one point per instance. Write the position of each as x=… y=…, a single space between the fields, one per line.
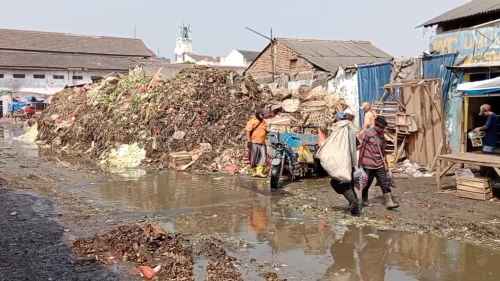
x=150 y=248
x=309 y=107
x=201 y=107
x=159 y=255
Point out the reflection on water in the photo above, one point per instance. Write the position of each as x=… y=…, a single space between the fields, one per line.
x=170 y=190
x=8 y=136
x=301 y=248
x=405 y=256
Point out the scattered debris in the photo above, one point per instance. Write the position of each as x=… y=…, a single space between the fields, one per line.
x=148 y=272
x=373 y=235
x=408 y=168
x=464 y=173
x=221 y=267
x=29 y=135
x=272 y=276
x=150 y=244
x=125 y=156
x=142 y=245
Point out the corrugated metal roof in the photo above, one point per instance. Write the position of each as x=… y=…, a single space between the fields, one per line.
x=331 y=54
x=35 y=60
x=37 y=41
x=472 y=8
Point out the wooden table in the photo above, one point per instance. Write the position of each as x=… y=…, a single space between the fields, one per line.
x=479 y=159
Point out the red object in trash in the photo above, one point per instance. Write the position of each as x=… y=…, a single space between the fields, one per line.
x=29 y=110
x=231 y=169
x=321 y=137
x=148 y=272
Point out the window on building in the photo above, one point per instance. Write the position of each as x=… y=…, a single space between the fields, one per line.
x=39 y=76
x=96 y=78
x=474 y=77
x=77 y=77
x=1 y=75
x=58 y=77
x=293 y=64
x=19 y=76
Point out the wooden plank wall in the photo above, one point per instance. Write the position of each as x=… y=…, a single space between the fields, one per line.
x=423 y=99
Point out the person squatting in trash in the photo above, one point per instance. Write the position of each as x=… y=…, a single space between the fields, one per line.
x=347 y=188
x=372 y=160
x=256 y=130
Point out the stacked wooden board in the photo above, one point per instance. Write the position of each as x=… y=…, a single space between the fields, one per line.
x=474 y=188
x=399 y=127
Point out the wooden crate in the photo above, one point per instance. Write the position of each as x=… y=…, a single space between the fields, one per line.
x=474 y=188
x=178 y=159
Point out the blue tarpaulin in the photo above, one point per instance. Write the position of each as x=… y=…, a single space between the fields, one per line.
x=15 y=106
x=436 y=67
x=371 y=81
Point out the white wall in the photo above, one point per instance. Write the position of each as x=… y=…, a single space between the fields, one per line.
x=234 y=58
x=46 y=86
x=345 y=85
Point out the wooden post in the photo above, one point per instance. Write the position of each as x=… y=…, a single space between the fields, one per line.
x=465 y=125
x=438 y=174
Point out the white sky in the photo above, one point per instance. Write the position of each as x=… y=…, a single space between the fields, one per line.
x=218 y=25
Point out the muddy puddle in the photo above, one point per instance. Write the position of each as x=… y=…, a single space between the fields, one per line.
x=297 y=248
x=269 y=238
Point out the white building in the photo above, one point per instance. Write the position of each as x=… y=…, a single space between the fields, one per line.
x=42 y=63
x=239 y=58
x=183 y=44
x=183 y=53
x=201 y=59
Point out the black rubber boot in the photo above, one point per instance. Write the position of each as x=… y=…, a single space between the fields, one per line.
x=354 y=205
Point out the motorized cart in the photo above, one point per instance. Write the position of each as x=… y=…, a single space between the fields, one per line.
x=292 y=155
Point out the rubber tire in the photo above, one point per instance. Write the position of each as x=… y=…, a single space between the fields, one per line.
x=275 y=177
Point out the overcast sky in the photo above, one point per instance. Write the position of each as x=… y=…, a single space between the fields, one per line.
x=218 y=25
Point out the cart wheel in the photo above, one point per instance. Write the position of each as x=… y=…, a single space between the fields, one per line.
x=275 y=177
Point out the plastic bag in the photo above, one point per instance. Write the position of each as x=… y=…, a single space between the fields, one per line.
x=464 y=173
x=360 y=178
x=305 y=155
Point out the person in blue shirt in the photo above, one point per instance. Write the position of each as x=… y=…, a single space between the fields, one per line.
x=489 y=128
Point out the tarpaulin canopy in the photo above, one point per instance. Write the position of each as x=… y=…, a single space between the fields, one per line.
x=483 y=87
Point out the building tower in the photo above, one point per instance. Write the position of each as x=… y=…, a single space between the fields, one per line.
x=184 y=44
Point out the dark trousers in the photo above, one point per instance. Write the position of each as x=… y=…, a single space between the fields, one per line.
x=382 y=178
x=341 y=187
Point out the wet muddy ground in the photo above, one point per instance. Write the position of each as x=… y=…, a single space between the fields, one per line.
x=301 y=233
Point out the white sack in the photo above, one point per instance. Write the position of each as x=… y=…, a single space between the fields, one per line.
x=338 y=153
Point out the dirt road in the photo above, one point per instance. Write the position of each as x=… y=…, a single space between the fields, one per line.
x=47 y=203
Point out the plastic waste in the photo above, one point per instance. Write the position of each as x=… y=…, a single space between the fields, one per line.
x=125 y=156
x=30 y=135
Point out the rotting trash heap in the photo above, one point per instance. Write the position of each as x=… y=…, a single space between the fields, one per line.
x=200 y=105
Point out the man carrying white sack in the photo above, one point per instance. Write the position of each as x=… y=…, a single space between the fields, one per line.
x=338 y=158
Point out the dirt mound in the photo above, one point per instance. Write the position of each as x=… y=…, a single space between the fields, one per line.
x=200 y=105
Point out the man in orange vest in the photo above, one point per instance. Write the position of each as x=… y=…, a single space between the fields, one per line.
x=256 y=130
